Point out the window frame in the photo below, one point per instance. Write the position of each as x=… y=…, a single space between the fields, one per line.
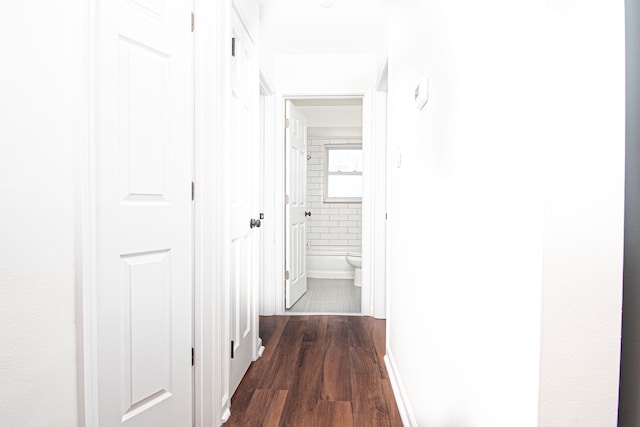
x=328 y=148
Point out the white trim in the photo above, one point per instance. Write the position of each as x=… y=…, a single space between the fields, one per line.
x=223 y=105
x=323 y=313
x=237 y=8
x=211 y=44
x=402 y=400
x=382 y=82
x=266 y=88
x=86 y=238
x=328 y=173
x=368 y=197
x=276 y=169
x=379 y=205
x=226 y=414
x=260 y=349
x=324 y=274
x=267 y=112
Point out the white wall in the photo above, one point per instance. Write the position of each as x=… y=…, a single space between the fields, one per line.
x=303 y=27
x=343 y=116
x=506 y=213
x=465 y=212
x=584 y=202
x=324 y=73
x=42 y=124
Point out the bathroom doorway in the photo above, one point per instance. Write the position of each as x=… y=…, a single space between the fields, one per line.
x=324 y=166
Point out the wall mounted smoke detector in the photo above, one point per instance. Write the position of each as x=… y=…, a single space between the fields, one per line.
x=422 y=93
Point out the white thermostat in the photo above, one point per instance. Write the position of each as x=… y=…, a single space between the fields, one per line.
x=422 y=93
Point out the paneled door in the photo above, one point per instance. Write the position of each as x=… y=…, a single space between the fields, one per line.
x=244 y=182
x=143 y=237
x=296 y=204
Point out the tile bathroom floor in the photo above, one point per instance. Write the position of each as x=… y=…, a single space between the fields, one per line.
x=329 y=296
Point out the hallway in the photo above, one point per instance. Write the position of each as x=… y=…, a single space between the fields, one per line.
x=317 y=371
x=147 y=221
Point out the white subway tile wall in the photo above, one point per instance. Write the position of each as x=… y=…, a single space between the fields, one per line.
x=330 y=224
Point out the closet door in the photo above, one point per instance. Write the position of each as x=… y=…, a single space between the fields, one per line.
x=244 y=181
x=143 y=134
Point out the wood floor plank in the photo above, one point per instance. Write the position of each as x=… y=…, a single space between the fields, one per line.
x=369 y=403
x=336 y=372
x=320 y=371
x=334 y=414
x=281 y=370
x=267 y=327
x=271 y=328
x=264 y=409
x=311 y=329
x=321 y=339
x=243 y=395
x=274 y=412
x=392 y=406
x=379 y=332
x=303 y=397
x=361 y=336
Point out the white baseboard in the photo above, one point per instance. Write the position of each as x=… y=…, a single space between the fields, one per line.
x=317 y=274
x=260 y=349
x=225 y=415
x=226 y=408
x=406 y=413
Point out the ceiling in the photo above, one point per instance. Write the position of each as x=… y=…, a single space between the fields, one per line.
x=304 y=26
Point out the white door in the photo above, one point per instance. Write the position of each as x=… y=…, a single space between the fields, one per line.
x=143 y=154
x=296 y=188
x=244 y=192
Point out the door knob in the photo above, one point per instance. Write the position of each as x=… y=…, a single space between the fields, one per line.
x=254 y=223
x=307 y=213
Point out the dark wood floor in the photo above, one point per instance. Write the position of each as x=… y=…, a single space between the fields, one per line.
x=317 y=371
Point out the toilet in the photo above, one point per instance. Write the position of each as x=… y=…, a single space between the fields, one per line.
x=355 y=260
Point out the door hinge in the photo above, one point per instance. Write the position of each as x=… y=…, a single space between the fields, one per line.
x=193 y=356
x=193 y=191
x=386 y=216
x=233 y=46
x=286 y=123
x=286 y=275
x=232 y=349
x=286 y=199
x=193 y=22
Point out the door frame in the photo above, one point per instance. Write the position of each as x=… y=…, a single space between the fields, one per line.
x=382 y=204
x=373 y=296
x=210 y=327
x=212 y=323
x=268 y=137
x=212 y=402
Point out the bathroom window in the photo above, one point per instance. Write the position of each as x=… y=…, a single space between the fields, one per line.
x=343 y=173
